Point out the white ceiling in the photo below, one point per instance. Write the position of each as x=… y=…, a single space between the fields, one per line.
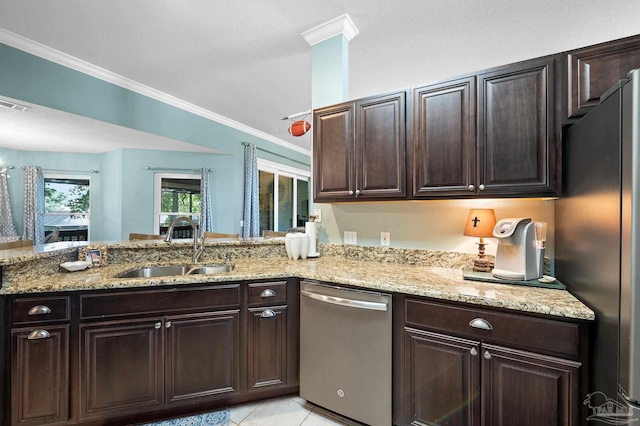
x=246 y=60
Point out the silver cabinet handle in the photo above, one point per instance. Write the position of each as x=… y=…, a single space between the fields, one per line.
x=267 y=313
x=167 y=324
x=39 y=310
x=39 y=334
x=487 y=355
x=481 y=323
x=471 y=188
x=481 y=187
x=473 y=351
x=357 y=192
x=350 y=192
x=268 y=293
x=157 y=325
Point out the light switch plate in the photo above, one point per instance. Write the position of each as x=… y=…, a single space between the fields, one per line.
x=385 y=239
x=318 y=214
x=350 y=237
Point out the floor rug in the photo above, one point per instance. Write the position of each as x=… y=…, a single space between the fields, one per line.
x=216 y=418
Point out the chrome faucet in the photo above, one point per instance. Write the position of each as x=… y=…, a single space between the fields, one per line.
x=197 y=249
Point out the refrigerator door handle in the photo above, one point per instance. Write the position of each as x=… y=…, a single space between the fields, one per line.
x=350 y=303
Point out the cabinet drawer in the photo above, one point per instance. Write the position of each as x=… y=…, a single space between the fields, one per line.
x=27 y=310
x=161 y=302
x=270 y=293
x=515 y=330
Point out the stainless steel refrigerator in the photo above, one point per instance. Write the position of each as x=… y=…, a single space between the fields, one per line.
x=598 y=235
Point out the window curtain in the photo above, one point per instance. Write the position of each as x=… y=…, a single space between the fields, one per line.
x=7 y=228
x=205 y=202
x=250 y=216
x=33 y=205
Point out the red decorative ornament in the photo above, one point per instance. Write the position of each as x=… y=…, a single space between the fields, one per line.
x=299 y=128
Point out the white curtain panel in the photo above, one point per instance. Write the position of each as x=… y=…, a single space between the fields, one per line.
x=251 y=211
x=33 y=205
x=7 y=227
x=205 y=202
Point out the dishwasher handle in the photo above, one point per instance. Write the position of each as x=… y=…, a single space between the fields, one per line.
x=350 y=303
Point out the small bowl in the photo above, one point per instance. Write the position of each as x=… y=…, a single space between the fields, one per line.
x=78 y=265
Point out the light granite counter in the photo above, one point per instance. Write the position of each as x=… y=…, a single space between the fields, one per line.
x=265 y=260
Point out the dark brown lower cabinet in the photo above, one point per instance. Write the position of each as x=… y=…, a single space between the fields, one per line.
x=134 y=365
x=40 y=375
x=523 y=388
x=442 y=379
x=121 y=367
x=201 y=356
x=267 y=348
x=455 y=382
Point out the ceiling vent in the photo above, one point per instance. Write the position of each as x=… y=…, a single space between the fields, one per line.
x=11 y=105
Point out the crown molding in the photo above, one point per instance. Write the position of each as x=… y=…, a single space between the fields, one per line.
x=336 y=26
x=61 y=58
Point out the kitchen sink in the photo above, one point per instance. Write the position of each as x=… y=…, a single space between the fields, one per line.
x=172 y=270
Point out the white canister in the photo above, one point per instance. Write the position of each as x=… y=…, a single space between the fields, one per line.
x=294 y=245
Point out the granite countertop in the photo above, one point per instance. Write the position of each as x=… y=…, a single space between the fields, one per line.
x=430 y=281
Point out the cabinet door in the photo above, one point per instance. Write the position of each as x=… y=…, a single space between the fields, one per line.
x=443 y=151
x=202 y=356
x=380 y=153
x=516 y=142
x=528 y=389
x=333 y=152
x=121 y=367
x=594 y=70
x=267 y=348
x=442 y=379
x=40 y=375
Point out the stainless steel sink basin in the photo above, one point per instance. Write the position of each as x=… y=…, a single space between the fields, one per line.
x=210 y=269
x=166 y=271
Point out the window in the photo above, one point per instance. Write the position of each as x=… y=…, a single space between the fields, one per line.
x=176 y=195
x=67 y=207
x=286 y=204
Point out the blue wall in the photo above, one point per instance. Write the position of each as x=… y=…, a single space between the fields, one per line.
x=122 y=193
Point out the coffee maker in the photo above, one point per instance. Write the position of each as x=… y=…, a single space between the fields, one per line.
x=520 y=253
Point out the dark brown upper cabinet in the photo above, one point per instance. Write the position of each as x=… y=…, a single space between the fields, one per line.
x=490 y=135
x=359 y=150
x=594 y=70
x=516 y=139
x=443 y=148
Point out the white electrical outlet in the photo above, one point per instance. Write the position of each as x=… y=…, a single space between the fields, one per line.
x=385 y=239
x=318 y=214
x=350 y=237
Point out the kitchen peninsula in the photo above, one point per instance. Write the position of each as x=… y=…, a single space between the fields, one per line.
x=102 y=330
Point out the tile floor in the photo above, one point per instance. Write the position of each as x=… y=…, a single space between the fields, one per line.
x=287 y=411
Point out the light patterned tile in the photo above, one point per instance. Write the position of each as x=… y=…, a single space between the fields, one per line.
x=335 y=417
x=317 y=418
x=239 y=412
x=277 y=412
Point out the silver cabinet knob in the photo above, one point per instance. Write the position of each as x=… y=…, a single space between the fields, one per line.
x=167 y=324
x=473 y=351
x=39 y=334
x=350 y=192
x=268 y=293
x=39 y=310
x=487 y=355
x=481 y=187
x=471 y=188
x=157 y=325
x=481 y=323
x=268 y=313
x=357 y=192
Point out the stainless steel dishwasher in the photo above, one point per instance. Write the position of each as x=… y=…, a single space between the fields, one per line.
x=345 y=351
